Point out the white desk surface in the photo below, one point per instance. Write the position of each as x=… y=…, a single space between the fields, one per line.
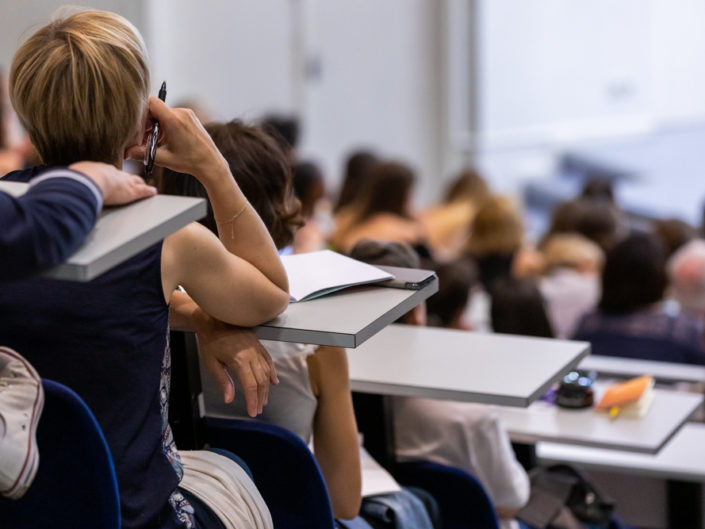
x=461 y=365
x=682 y=458
x=628 y=367
x=346 y=318
x=122 y=232
x=586 y=427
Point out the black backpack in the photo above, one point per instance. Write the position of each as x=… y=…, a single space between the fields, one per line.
x=562 y=498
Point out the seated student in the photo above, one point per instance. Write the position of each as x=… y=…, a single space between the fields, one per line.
x=358 y=167
x=107 y=339
x=673 y=234
x=459 y=434
x=570 y=282
x=686 y=273
x=384 y=210
x=631 y=319
x=446 y=308
x=596 y=219
x=313 y=396
x=448 y=224
x=517 y=307
x=310 y=188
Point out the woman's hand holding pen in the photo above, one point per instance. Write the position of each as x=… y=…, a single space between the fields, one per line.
x=185 y=145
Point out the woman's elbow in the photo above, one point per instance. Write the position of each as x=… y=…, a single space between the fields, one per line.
x=347 y=508
x=267 y=309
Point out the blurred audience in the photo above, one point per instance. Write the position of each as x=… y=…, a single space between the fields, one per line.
x=285 y=129
x=673 y=233
x=598 y=220
x=460 y=434
x=571 y=280
x=383 y=212
x=447 y=225
x=631 y=319
x=446 y=308
x=517 y=307
x=686 y=271
x=310 y=188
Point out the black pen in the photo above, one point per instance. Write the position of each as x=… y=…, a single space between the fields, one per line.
x=154 y=136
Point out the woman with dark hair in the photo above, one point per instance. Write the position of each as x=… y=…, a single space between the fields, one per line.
x=517 y=307
x=383 y=212
x=597 y=220
x=446 y=307
x=357 y=172
x=310 y=188
x=631 y=319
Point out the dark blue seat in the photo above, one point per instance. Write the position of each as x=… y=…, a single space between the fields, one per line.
x=285 y=471
x=463 y=502
x=75 y=485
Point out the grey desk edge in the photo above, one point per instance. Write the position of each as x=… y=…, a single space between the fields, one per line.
x=530 y=438
x=347 y=340
x=92 y=270
x=401 y=390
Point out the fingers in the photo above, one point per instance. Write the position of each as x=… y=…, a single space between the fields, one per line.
x=160 y=111
x=273 y=378
x=249 y=387
x=219 y=372
x=137 y=152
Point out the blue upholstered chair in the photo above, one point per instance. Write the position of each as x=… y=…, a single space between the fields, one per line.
x=285 y=471
x=75 y=485
x=463 y=502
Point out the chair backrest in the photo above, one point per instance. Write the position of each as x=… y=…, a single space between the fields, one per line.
x=462 y=500
x=284 y=469
x=75 y=485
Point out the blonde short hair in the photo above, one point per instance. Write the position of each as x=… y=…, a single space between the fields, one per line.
x=497 y=228
x=571 y=250
x=79 y=86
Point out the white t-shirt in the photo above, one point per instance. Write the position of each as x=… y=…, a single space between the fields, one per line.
x=464 y=435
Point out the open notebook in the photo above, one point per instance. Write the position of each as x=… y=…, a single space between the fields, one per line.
x=315 y=274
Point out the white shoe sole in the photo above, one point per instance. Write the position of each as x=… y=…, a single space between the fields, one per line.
x=31 y=462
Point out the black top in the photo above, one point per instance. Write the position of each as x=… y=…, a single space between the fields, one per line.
x=107 y=340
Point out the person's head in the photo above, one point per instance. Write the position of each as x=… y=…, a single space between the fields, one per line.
x=517 y=307
x=455 y=279
x=496 y=229
x=570 y=250
x=391 y=254
x=389 y=191
x=686 y=271
x=598 y=220
x=598 y=188
x=634 y=276
x=262 y=172
x=357 y=173
x=80 y=86
x=673 y=233
x=309 y=186
x=468 y=186
x=285 y=130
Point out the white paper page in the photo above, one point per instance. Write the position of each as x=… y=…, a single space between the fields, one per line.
x=375 y=479
x=325 y=271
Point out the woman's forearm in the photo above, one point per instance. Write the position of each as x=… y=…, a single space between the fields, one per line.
x=240 y=229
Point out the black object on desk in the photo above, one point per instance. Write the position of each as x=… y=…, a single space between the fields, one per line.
x=575 y=391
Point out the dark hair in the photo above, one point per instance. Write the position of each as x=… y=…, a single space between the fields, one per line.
x=262 y=171
x=598 y=188
x=309 y=186
x=634 y=275
x=389 y=191
x=284 y=129
x=517 y=307
x=673 y=233
x=468 y=185
x=455 y=279
x=597 y=220
x=385 y=254
x=3 y=139
x=357 y=173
